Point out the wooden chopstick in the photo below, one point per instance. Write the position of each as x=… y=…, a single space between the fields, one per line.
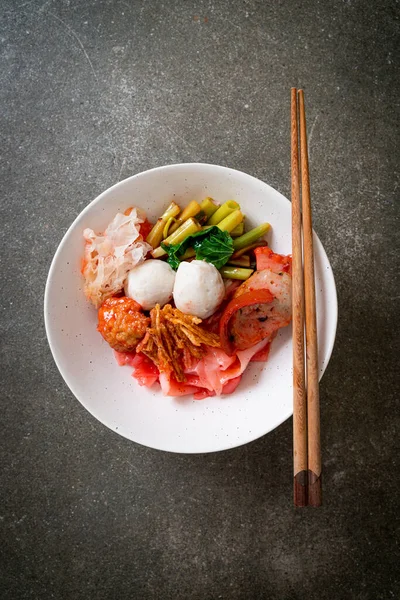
x=306 y=410
x=300 y=463
x=313 y=409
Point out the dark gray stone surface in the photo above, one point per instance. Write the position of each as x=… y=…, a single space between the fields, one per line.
x=92 y=92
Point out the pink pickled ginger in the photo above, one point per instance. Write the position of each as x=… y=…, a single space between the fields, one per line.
x=215 y=374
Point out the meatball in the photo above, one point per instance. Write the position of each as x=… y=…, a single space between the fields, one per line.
x=122 y=323
x=199 y=288
x=150 y=283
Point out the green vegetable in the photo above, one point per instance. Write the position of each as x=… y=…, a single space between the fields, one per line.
x=231 y=221
x=236 y=273
x=212 y=245
x=215 y=249
x=251 y=236
x=156 y=234
x=223 y=211
x=238 y=231
x=187 y=228
x=208 y=207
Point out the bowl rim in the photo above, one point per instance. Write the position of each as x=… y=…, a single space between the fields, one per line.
x=98 y=198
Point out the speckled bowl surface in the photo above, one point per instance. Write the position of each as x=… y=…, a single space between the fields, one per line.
x=263 y=399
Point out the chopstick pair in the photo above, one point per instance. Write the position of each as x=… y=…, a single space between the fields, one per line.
x=306 y=410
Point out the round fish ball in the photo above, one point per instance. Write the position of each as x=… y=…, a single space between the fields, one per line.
x=199 y=288
x=150 y=283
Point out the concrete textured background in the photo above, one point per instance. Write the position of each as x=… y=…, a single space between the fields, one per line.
x=92 y=92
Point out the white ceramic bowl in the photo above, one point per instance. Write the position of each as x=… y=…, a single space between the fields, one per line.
x=264 y=398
